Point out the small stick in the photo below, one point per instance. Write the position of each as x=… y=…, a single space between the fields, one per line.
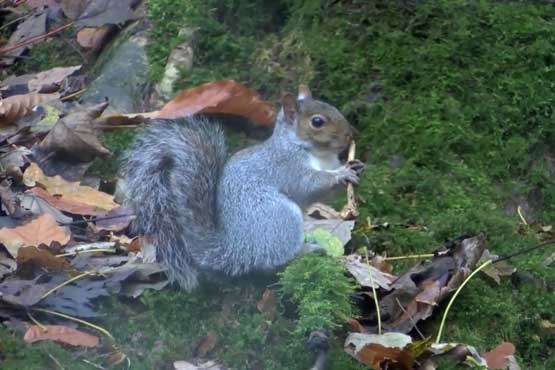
x=350 y=211
x=33 y=39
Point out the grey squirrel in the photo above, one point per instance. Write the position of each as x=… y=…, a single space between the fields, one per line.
x=205 y=212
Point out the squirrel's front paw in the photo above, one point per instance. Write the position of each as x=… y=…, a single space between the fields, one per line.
x=350 y=173
x=356 y=165
x=347 y=176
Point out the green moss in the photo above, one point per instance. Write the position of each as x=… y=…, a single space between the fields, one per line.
x=117 y=142
x=320 y=289
x=47 y=54
x=15 y=354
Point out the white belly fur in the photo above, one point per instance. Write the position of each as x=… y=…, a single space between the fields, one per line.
x=324 y=162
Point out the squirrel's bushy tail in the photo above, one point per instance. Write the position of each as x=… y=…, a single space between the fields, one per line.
x=170 y=178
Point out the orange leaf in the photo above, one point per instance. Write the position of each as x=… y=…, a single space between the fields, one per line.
x=66 y=205
x=17 y=106
x=61 y=334
x=42 y=230
x=71 y=191
x=497 y=357
x=227 y=96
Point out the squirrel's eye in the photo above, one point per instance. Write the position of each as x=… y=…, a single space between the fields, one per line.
x=317 y=121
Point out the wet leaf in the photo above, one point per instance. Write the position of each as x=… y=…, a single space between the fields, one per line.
x=71 y=191
x=42 y=230
x=61 y=334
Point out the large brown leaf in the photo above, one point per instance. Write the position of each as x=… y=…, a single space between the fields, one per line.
x=75 y=137
x=71 y=191
x=227 y=96
x=61 y=334
x=42 y=230
x=224 y=97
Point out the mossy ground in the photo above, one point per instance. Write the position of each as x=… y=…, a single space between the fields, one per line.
x=454 y=102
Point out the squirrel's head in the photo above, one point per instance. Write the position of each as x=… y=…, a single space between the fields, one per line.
x=317 y=123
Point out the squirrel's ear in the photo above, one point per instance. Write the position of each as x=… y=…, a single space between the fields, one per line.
x=304 y=92
x=290 y=108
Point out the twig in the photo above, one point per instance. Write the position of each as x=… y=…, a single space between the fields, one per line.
x=78 y=222
x=89 y=251
x=72 y=95
x=376 y=303
x=410 y=318
x=35 y=38
x=525 y=250
x=350 y=211
x=14 y=21
x=412 y=256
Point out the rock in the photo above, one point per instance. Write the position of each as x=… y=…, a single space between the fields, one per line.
x=181 y=58
x=123 y=74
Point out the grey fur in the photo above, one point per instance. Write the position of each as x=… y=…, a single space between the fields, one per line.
x=203 y=213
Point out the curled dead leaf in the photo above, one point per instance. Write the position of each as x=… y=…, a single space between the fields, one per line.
x=71 y=191
x=227 y=96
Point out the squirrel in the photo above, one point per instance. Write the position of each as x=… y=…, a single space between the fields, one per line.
x=207 y=213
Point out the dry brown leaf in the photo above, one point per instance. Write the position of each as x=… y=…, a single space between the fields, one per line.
x=42 y=258
x=94 y=37
x=71 y=191
x=66 y=205
x=61 y=334
x=497 y=358
x=74 y=136
x=207 y=344
x=17 y=106
x=42 y=230
x=227 y=96
x=268 y=304
x=52 y=76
